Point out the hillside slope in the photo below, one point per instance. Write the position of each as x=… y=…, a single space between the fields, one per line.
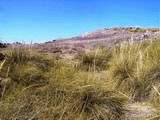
x=106 y=36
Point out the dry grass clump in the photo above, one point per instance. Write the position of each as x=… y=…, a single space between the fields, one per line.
x=138 y=29
x=96 y=60
x=155 y=97
x=85 y=96
x=153 y=29
x=91 y=100
x=122 y=66
x=25 y=68
x=27 y=74
x=24 y=56
x=135 y=67
x=83 y=102
x=36 y=86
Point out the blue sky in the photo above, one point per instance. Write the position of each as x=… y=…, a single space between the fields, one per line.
x=44 y=20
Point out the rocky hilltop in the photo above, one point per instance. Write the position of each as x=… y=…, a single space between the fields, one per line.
x=106 y=36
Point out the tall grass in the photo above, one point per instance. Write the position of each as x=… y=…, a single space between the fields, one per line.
x=155 y=97
x=37 y=86
x=135 y=68
x=94 y=60
x=122 y=66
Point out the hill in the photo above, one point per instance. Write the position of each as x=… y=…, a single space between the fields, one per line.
x=118 y=80
x=106 y=36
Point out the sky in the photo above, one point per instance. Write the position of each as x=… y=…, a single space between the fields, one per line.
x=39 y=21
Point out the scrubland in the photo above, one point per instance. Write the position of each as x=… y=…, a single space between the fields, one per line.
x=97 y=84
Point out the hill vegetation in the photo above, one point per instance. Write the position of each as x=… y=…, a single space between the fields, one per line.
x=106 y=37
x=97 y=84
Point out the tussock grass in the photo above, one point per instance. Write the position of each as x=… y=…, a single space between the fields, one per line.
x=27 y=74
x=24 y=67
x=155 y=97
x=138 y=29
x=37 y=86
x=123 y=64
x=134 y=67
x=93 y=102
x=153 y=29
x=94 y=60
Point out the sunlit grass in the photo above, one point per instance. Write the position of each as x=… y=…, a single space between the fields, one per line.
x=97 y=85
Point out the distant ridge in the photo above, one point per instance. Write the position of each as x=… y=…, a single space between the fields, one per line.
x=106 y=36
x=117 y=33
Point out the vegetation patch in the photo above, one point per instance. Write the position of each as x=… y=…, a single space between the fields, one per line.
x=98 y=84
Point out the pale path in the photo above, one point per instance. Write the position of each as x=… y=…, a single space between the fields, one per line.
x=140 y=111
